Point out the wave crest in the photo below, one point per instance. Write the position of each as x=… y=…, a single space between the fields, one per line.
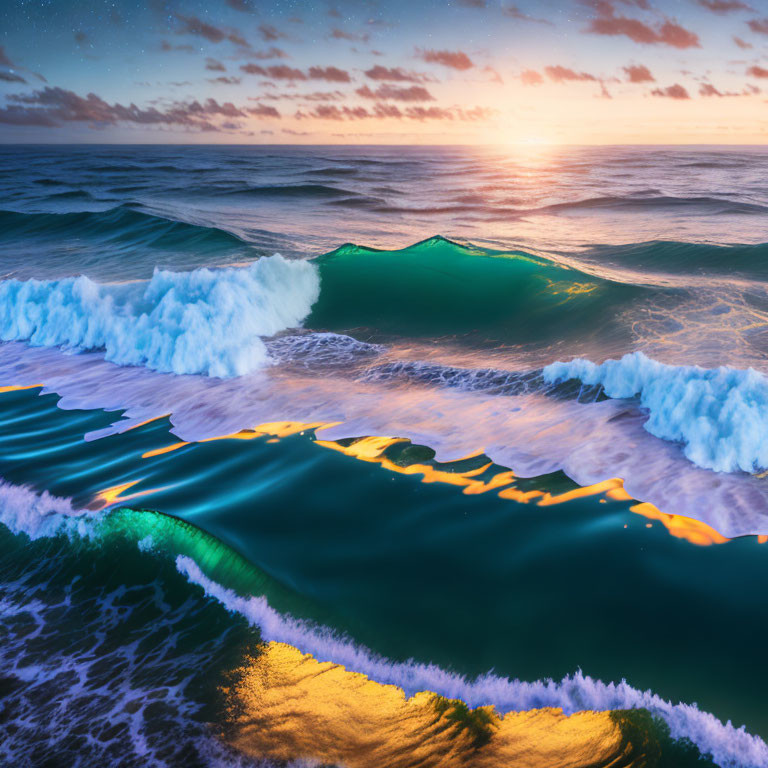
x=205 y=321
x=720 y=414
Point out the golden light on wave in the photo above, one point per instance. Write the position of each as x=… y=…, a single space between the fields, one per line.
x=114 y=495
x=286 y=705
x=373 y=450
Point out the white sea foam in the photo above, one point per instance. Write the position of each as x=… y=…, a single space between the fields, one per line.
x=730 y=747
x=719 y=414
x=39 y=515
x=204 y=321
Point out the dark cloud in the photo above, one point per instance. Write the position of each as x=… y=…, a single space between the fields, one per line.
x=263 y=110
x=637 y=73
x=213 y=65
x=756 y=71
x=743 y=44
x=531 y=77
x=558 y=74
x=669 y=33
x=389 y=92
x=4 y=60
x=453 y=59
x=53 y=106
x=724 y=6
x=472 y=3
x=340 y=34
x=760 y=26
x=11 y=77
x=675 y=91
x=330 y=74
x=191 y=25
x=80 y=37
x=393 y=74
x=276 y=72
x=226 y=80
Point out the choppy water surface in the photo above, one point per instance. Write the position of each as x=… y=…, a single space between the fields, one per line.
x=488 y=425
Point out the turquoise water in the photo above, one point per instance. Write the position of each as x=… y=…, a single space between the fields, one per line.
x=367 y=451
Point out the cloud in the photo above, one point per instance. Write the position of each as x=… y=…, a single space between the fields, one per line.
x=669 y=33
x=166 y=46
x=80 y=37
x=263 y=110
x=4 y=60
x=675 y=91
x=531 y=77
x=240 y=5
x=724 y=6
x=743 y=44
x=273 y=52
x=760 y=26
x=226 y=80
x=330 y=74
x=340 y=34
x=11 y=77
x=393 y=74
x=276 y=72
x=191 y=25
x=493 y=75
x=419 y=113
x=453 y=59
x=558 y=74
x=214 y=66
x=515 y=13
x=269 y=33
x=756 y=71
x=389 y=92
x=472 y=3
x=637 y=73
x=53 y=106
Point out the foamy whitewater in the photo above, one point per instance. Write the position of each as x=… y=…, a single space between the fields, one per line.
x=720 y=415
x=204 y=321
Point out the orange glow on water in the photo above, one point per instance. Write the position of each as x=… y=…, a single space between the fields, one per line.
x=16 y=387
x=681 y=527
x=114 y=495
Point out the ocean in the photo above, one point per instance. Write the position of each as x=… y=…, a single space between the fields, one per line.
x=383 y=456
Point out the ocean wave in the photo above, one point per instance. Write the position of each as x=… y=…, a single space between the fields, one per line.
x=730 y=747
x=204 y=321
x=438 y=287
x=120 y=225
x=720 y=414
x=293 y=190
x=710 y=205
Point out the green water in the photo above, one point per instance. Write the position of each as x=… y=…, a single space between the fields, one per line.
x=414 y=570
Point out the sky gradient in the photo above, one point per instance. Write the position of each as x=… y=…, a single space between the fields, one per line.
x=412 y=72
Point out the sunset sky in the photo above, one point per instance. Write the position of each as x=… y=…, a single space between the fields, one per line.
x=402 y=71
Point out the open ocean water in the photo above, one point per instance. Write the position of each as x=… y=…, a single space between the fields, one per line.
x=383 y=456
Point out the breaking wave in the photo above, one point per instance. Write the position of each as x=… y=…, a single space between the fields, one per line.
x=204 y=321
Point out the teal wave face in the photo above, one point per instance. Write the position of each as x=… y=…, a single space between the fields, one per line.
x=438 y=288
x=263 y=518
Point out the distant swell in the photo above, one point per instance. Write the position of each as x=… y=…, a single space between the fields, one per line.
x=204 y=321
x=121 y=225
